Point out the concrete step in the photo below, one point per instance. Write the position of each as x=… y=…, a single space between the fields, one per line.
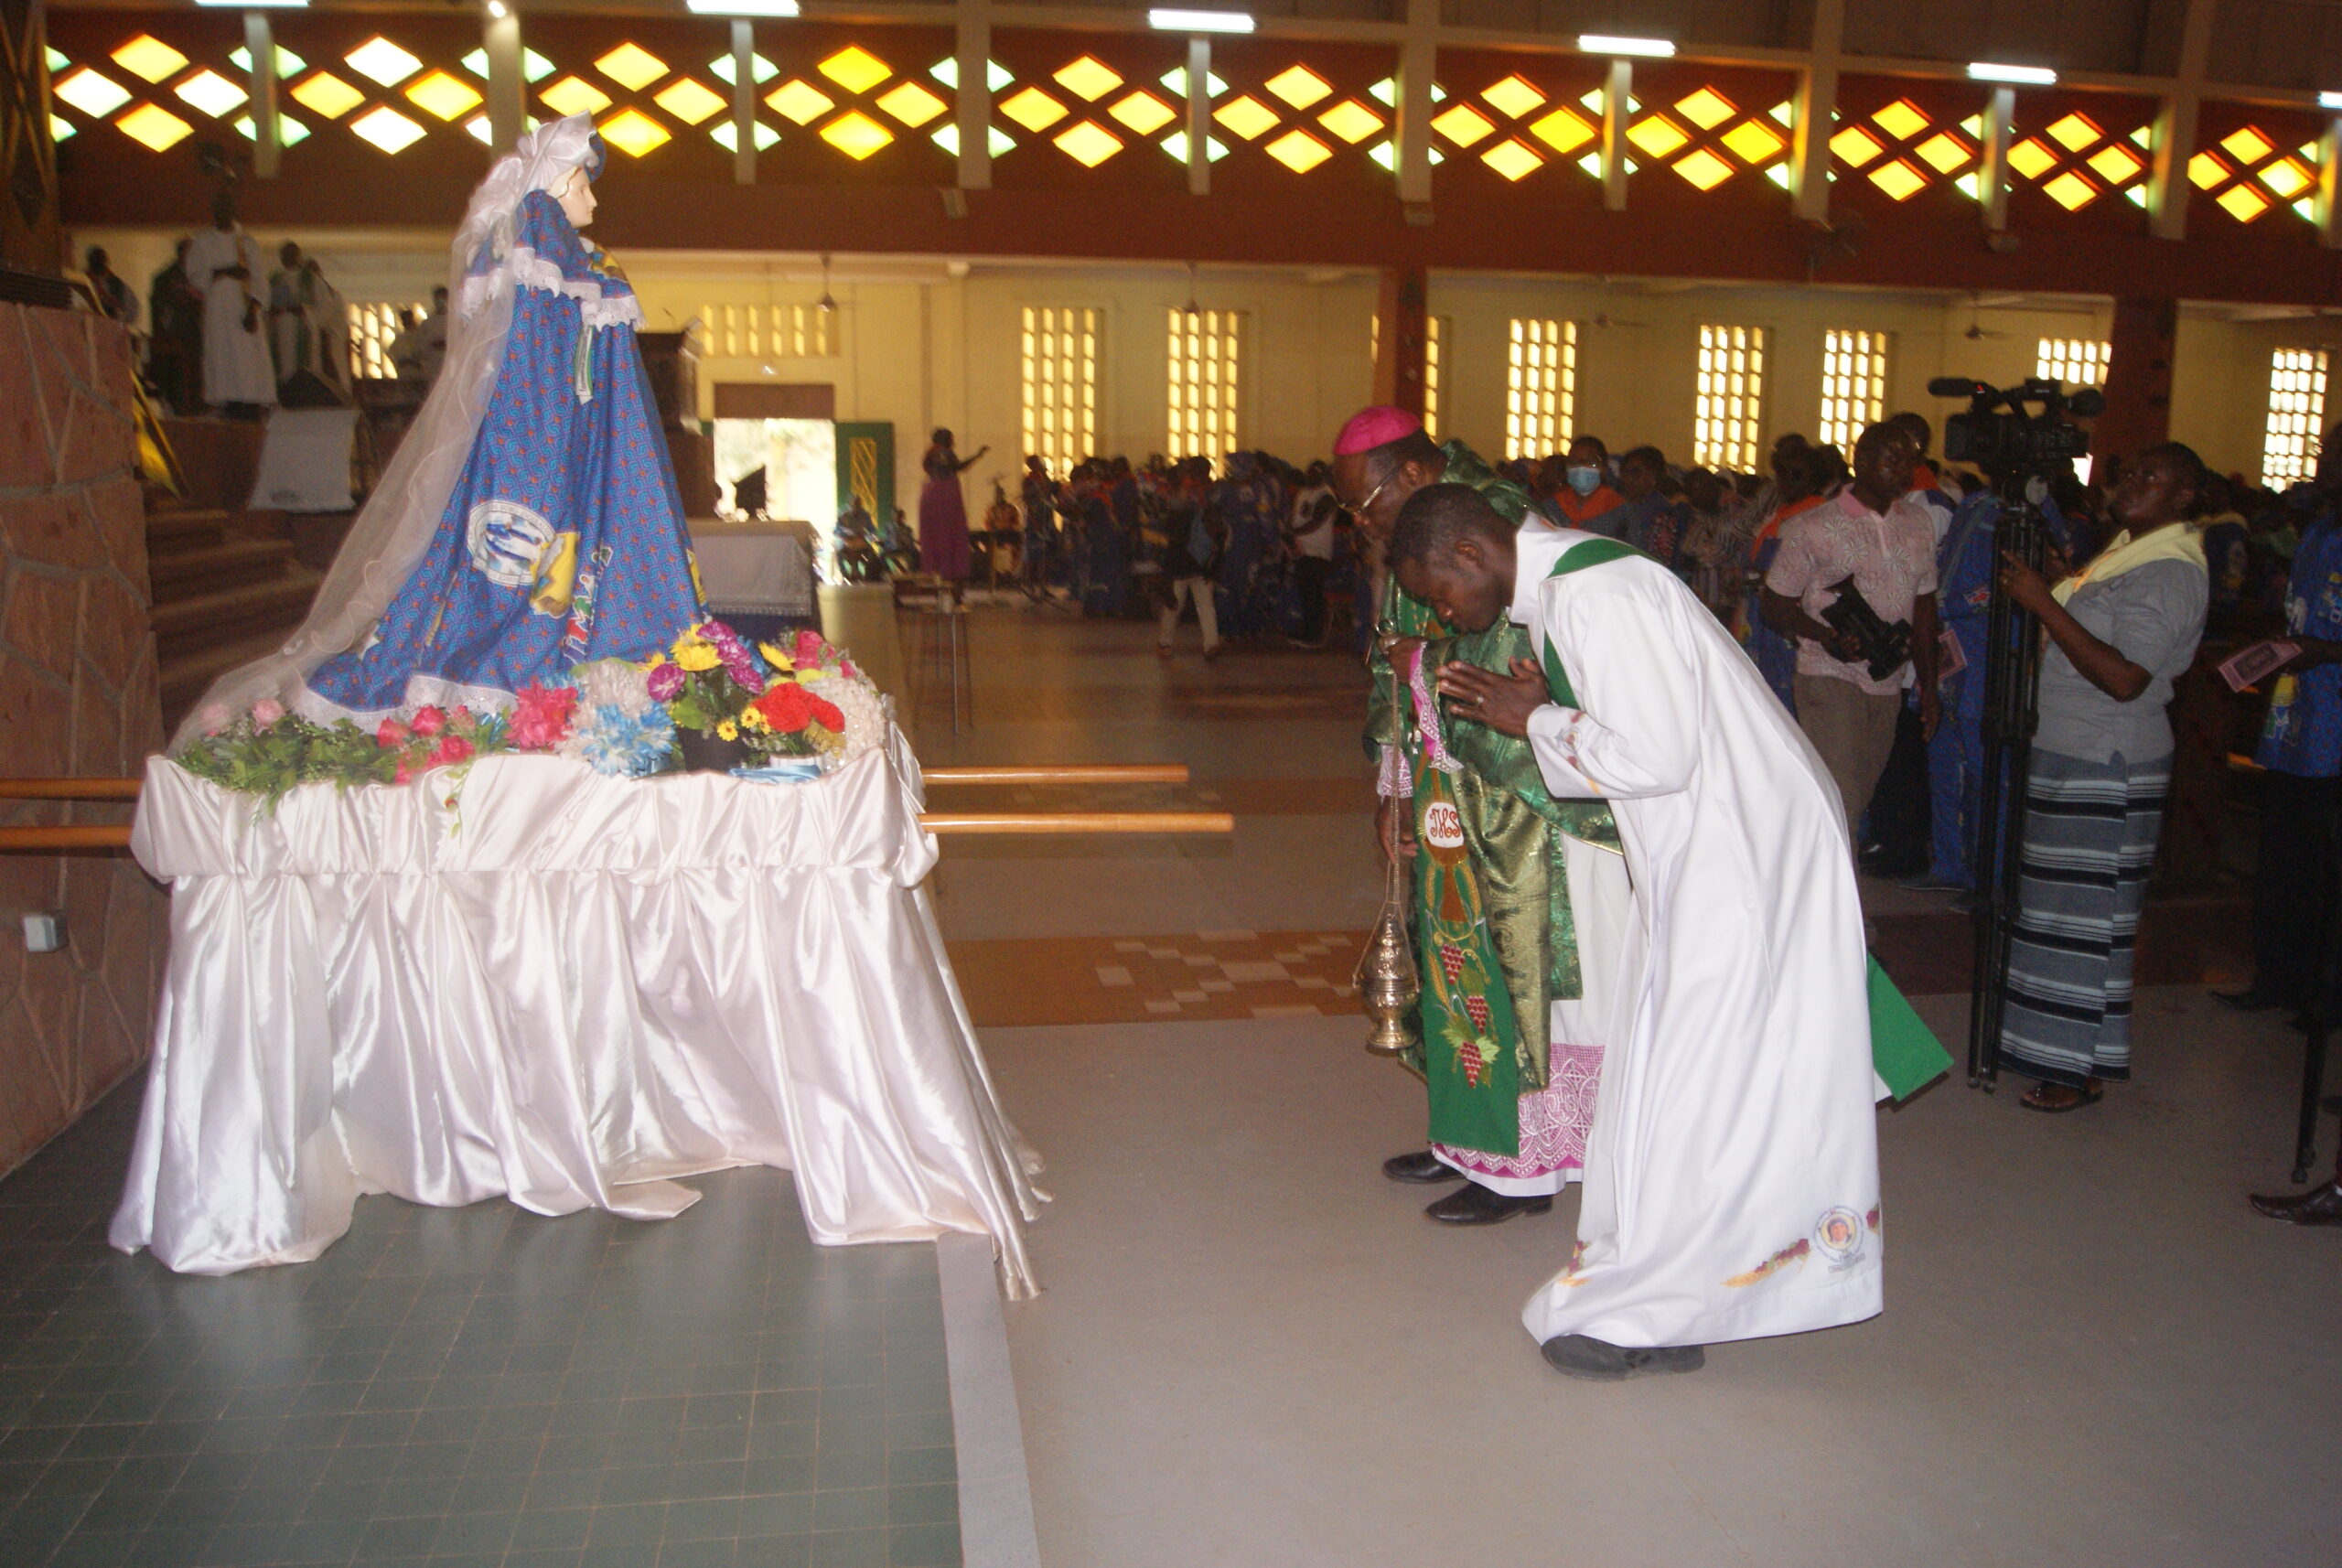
x=210 y=621
x=189 y=528
x=214 y=568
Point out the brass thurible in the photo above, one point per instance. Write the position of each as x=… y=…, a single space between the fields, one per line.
x=1388 y=985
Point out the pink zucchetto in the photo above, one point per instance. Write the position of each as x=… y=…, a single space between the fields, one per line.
x=1373 y=428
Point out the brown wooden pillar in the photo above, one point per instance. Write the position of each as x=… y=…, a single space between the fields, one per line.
x=2138 y=378
x=1399 y=340
x=28 y=231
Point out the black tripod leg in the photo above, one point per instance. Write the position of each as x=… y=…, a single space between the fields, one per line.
x=2320 y=1015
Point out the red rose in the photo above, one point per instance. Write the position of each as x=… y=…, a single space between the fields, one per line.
x=392 y=735
x=786 y=706
x=428 y=721
x=826 y=714
x=451 y=749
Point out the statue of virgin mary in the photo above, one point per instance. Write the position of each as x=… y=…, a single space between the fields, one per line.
x=530 y=521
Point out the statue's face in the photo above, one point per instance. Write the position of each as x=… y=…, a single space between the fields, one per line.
x=576 y=198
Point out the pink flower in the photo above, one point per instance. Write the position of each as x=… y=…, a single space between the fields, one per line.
x=846 y=668
x=406 y=773
x=428 y=721
x=392 y=735
x=665 y=683
x=809 y=646
x=541 y=716
x=266 y=712
x=451 y=749
x=212 y=719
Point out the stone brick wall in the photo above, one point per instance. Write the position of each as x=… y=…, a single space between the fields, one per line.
x=78 y=696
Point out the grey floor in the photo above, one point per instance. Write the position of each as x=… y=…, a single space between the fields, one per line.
x=480 y=1386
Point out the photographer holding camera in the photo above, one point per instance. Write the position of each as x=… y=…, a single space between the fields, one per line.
x=1876 y=544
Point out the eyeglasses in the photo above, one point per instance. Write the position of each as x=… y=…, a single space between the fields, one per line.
x=1358 y=511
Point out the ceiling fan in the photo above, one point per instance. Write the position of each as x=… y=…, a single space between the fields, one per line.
x=1977 y=332
x=1606 y=319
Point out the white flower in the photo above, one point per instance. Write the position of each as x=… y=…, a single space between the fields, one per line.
x=613 y=683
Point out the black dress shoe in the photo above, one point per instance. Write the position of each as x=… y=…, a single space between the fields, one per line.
x=1424 y=1168
x=2318 y=1206
x=1473 y=1204
x=2252 y=999
x=1581 y=1356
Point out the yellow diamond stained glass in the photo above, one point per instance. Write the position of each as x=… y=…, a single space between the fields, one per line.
x=1144 y=112
x=1033 y=109
x=2287 y=178
x=1901 y=120
x=2031 y=159
x=444 y=95
x=1702 y=169
x=856 y=70
x=574 y=95
x=1246 y=116
x=2072 y=190
x=1299 y=86
x=1089 y=79
x=382 y=60
x=1089 y=143
x=2243 y=203
x=326 y=94
x=1351 y=121
x=2207 y=169
x=2115 y=163
x=631 y=66
x=1855 y=145
x=94 y=95
x=1512 y=159
x=1514 y=97
x=152 y=127
x=800 y=100
x=2075 y=132
x=1752 y=142
x=1462 y=124
x=1707 y=109
x=210 y=91
x=1563 y=130
x=1299 y=151
x=857 y=135
x=908 y=102
x=149 y=58
x=689 y=101
x=2247 y=145
x=634 y=133
x=1943 y=152
x=1657 y=135
x=1898 y=179
x=388 y=129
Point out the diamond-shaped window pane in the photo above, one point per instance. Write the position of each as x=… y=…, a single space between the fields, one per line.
x=388 y=129
x=152 y=126
x=1855 y=145
x=94 y=95
x=688 y=100
x=760 y=69
x=1901 y=120
x=908 y=102
x=149 y=58
x=1657 y=135
x=1089 y=79
x=2247 y=145
x=948 y=138
x=482 y=130
x=1351 y=121
x=2072 y=190
x=288 y=64
x=2116 y=164
x=1512 y=159
x=2287 y=178
x=631 y=66
x=382 y=60
x=1702 y=169
x=2243 y=203
x=1898 y=179
x=1462 y=124
x=574 y=95
x=444 y=95
x=947 y=72
x=1089 y=143
x=290 y=133
x=1033 y=109
x=2207 y=169
x=1563 y=130
x=1707 y=109
x=56 y=62
x=1175 y=144
x=326 y=94
x=856 y=70
x=857 y=135
x=2031 y=159
x=1753 y=142
x=1245 y=115
x=726 y=135
x=1174 y=81
x=1513 y=97
x=2075 y=132
x=1144 y=112
x=800 y=100
x=1944 y=152
x=211 y=93
x=634 y=133
x=1299 y=151
x=59 y=128
x=1300 y=86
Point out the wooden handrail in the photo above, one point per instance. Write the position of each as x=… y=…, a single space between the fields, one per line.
x=1073 y=773
x=69 y=788
x=116 y=835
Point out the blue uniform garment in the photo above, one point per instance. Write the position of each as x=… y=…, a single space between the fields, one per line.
x=2303 y=734
x=1964 y=564
x=1776 y=655
x=1251 y=559
x=563 y=542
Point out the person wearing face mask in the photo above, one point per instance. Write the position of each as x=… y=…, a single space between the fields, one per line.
x=1584 y=498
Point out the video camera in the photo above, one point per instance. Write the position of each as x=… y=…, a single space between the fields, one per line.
x=2001 y=436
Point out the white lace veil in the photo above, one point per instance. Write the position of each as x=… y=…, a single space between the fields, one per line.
x=395 y=526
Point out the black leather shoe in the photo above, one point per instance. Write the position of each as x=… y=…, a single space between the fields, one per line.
x=2318 y=1206
x=1473 y=1204
x=2252 y=999
x=1424 y=1168
x=1580 y=1356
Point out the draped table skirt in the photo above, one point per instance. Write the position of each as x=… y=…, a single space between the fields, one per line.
x=531 y=980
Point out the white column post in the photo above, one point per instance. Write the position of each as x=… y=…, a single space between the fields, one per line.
x=260 y=42
x=744 y=102
x=1198 y=116
x=1816 y=108
x=974 y=112
x=1418 y=65
x=1993 y=163
x=1616 y=113
x=2167 y=187
x=507 y=89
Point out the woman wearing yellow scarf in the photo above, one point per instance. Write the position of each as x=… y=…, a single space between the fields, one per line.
x=2119 y=631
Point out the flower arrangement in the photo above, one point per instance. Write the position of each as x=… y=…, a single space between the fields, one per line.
x=802 y=698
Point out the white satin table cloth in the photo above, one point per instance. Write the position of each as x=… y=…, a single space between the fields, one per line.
x=531 y=980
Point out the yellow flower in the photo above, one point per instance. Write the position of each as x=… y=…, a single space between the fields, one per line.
x=754 y=718
x=697 y=656
x=775 y=657
x=727 y=730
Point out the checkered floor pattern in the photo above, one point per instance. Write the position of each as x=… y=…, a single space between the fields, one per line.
x=1120 y=980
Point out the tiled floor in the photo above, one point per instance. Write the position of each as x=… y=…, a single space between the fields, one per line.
x=480 y=1387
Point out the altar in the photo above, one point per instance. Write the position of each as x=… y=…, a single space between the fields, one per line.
x=523 y=978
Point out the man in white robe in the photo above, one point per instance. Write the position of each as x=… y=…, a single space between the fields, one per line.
x=1731 y=1173
x=223 y=265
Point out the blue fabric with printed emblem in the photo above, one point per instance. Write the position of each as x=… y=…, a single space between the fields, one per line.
x=2303 y=735
x=564 y=540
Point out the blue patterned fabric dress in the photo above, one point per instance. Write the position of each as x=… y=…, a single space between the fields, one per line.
x=564 y=540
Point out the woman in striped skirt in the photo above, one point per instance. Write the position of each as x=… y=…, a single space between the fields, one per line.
x=2119 y=631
